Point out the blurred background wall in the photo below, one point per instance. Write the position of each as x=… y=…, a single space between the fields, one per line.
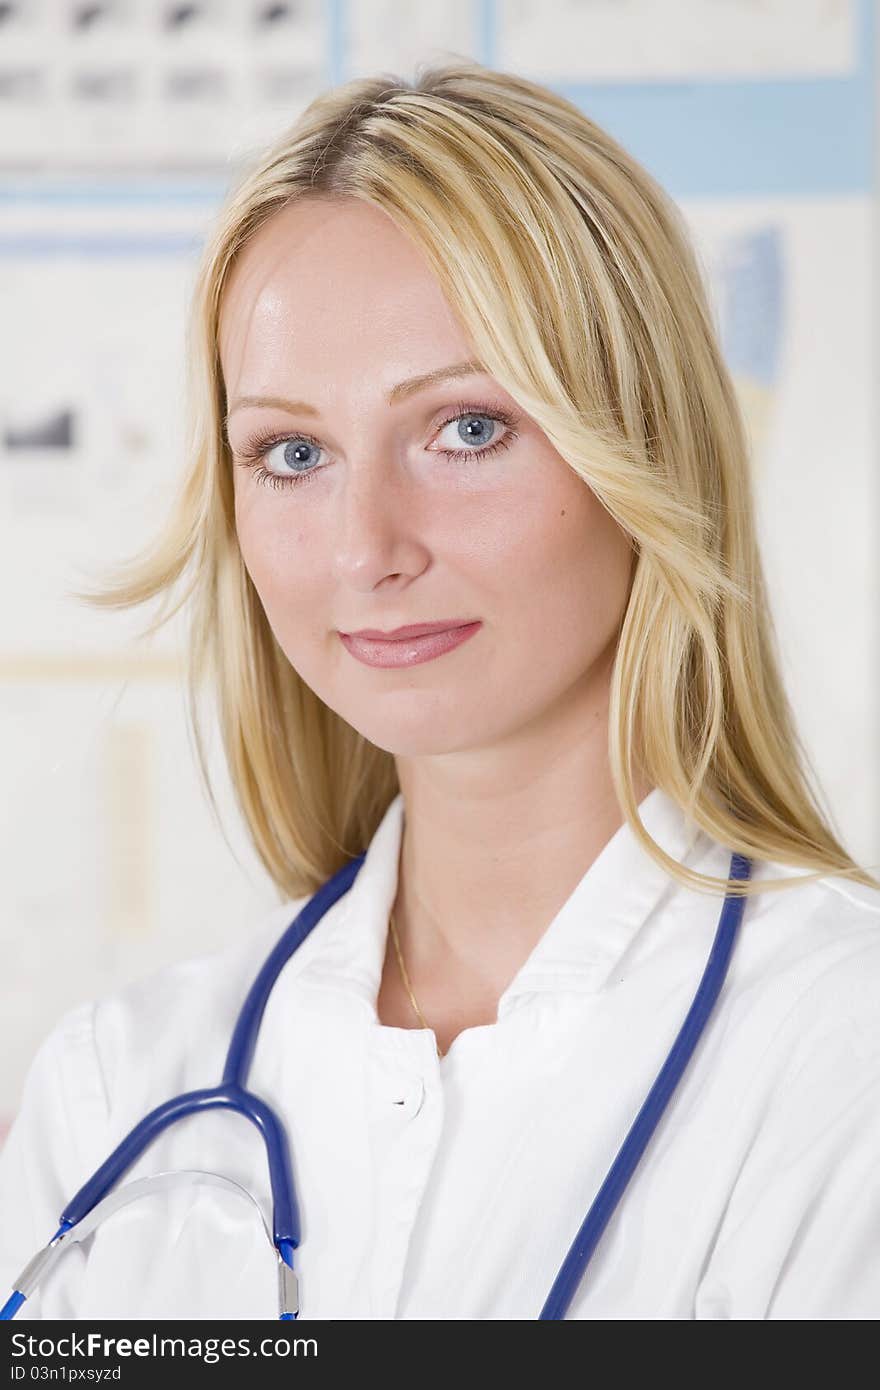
x=121 y=126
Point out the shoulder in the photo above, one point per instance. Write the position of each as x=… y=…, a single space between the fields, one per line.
x=144 y=1035
x=107 y=1062
x=187 y=1008
x=813 y=933
x=805 y=966
x=799 y=930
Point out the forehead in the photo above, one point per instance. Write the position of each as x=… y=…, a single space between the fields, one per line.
x=326 y=283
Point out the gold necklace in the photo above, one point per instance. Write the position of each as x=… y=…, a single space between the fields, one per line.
x=409 y=989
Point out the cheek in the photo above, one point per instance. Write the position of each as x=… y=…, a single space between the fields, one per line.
x=276 y=555
x=569 y=576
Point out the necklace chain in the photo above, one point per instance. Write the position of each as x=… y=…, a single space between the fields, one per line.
x=405 y=977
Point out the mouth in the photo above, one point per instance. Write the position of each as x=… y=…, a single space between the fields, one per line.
x=395 y=634
x=407 y=647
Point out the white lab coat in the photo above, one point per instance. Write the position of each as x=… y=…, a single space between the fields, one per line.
x=453 y=1188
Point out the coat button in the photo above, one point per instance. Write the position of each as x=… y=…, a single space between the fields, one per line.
x=409 y=1099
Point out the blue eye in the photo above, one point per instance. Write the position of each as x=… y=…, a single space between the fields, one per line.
x=472 y=427
x=295 y=453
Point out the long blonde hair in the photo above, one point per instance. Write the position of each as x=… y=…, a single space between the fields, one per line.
x=573 y=275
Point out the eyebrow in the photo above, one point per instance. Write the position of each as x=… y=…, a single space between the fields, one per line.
x=397 y=393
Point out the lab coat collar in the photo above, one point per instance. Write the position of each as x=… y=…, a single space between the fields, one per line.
x=579 y=949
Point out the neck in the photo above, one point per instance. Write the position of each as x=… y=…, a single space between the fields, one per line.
x=493 y=845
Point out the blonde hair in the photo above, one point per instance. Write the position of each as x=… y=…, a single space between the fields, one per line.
x=572 y=273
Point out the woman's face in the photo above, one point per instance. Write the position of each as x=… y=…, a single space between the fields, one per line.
x=363 y=521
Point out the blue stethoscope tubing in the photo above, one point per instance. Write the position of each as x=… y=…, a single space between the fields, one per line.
x=232 y=1094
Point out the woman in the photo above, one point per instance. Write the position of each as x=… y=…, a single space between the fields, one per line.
x=452 y=365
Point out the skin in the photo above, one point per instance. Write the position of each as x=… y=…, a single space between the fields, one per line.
x=500 y=744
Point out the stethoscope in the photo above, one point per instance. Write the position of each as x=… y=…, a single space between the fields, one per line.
x=95 y=1200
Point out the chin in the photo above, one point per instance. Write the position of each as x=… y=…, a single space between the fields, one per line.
x=425 y=746
x=424 y=737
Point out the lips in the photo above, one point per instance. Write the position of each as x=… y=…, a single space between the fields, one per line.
x=396 y=634
x=407 y=650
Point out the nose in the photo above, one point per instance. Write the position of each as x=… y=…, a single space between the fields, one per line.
x=378 y=531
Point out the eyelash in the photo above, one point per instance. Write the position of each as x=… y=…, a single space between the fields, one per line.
x=256 y=446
